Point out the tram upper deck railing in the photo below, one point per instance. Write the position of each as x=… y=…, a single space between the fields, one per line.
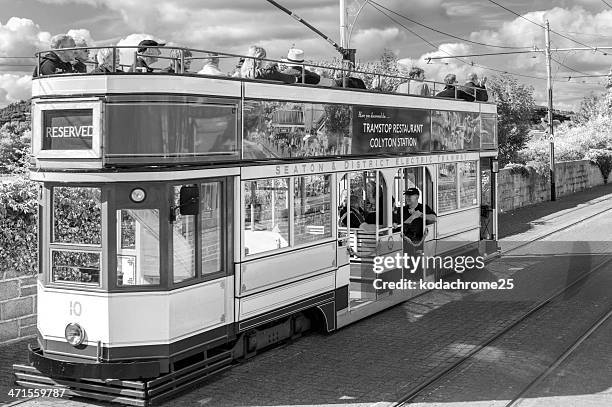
x=180 y=59
x=149 y=119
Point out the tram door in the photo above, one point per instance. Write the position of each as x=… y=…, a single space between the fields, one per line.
x=364 y=223
x=413 y=233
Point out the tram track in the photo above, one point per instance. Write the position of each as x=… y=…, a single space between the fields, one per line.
x=417 y=390
x=516 y=401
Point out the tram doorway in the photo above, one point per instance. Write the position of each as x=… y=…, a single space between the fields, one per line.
x=488 y=223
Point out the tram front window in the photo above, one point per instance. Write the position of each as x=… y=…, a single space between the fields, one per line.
x=183 y=242
x=76 y=235
x=138 y=247
x=312 y=208
x=266 y=215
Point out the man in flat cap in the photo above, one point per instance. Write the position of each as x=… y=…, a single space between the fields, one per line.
x=146 y=56
x=414 y=215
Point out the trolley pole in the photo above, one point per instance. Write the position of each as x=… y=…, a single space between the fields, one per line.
x=553 y=189
x=346 y=63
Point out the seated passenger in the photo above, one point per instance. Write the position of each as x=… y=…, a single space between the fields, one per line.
x=57 y=62
x=255 y=68
x=451 y=91
x=294 y=58
x=414 y=85
x=212 y=66
x=147 y=56
x=237 y=71
x=357 y=213
x=81 y=55
x=175 y=62
x=105 y=61
x=351 y=82
x=477 y=88
x=413 y=216
x=326 y=79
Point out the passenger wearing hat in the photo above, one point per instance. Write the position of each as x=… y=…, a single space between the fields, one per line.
x=146 y=56
x=56 y=61
x=175 y=64
x=295 y=57
x=451 y=91
x=413 y=215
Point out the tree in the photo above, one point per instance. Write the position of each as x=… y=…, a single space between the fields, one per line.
x=515 y=105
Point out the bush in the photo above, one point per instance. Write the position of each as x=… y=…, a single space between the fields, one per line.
x=603 y=159
x=18 y=226
x=519 y=169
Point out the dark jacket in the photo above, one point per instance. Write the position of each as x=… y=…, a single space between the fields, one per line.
x=310 y=77
x=79 y=67
x=354 y=83
x=269 y=71
x=51 y=64
x=357 y=217
x=449 y=92
x=140 y=63
x=480 y=91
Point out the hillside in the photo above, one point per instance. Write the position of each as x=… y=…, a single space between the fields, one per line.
x=19 y=112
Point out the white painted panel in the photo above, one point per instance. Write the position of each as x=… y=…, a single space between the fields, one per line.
x=131 y=83
x=43 y=176
x=272 y=299
x=458 y=222
x=54 y=313
x=342 y=275
x=139 y=318
x=200 y=307
x=319 y=95
x=272 y=271
x=453 y=242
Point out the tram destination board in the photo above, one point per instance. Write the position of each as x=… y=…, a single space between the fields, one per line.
x=68 y=129
x=390 y=130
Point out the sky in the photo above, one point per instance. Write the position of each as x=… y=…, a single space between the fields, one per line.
x=232 y=25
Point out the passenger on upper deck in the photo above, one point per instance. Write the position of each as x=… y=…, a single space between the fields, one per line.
x=57 y=62
x=477 y=88
x=294 y=58
x=147 y=56
x=255 y=68
x=451 y=91
x=175 y=62
x=212 y=66
x=414 y=85
x=351 y=82
x=81 y=55
x=105 y=61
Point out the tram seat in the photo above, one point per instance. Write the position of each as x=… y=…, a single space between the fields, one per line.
x=364 y=245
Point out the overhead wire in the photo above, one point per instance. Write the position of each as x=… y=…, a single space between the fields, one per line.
x=442 y=32
x=540 y=25
x=449 y=54
x=606 y=3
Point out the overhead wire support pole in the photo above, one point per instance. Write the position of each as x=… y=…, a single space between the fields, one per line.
x=553 y=192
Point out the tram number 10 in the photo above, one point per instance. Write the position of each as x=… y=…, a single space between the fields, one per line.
x=75 y=308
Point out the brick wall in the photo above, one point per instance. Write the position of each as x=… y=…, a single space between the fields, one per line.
x=517 y=190
x=17 y=308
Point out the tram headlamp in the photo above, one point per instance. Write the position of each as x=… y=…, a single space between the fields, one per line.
x=138 y=195
x=75 y=334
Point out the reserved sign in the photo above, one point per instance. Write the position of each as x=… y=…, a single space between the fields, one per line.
x=69 y=129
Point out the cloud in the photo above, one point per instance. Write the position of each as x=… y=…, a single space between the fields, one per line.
x=14 y=88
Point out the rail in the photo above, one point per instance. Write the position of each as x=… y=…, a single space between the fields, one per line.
x=181 y=58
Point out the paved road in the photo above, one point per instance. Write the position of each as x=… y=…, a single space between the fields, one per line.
x=375 y=361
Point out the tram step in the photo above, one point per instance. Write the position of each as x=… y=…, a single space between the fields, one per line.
x=132 y=392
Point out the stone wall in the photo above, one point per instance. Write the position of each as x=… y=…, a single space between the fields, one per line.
x=516 y=189
x=17 y=308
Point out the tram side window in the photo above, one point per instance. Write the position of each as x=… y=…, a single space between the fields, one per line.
x=468 y=189
x=447 y=187
x=183 y=242
x=312 y=203
x=138 y=247
x=211 y=206
x=76 y=235
x=266 y=215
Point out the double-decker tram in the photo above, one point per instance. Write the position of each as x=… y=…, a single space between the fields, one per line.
x=189 y=221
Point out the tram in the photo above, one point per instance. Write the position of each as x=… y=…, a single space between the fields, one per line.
x=176 y=230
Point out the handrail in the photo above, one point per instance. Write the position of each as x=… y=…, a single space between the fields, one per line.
x=337 y=71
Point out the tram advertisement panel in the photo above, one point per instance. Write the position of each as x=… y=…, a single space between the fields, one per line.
x=68 y=129
x=390 y=130
x=455 y=131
